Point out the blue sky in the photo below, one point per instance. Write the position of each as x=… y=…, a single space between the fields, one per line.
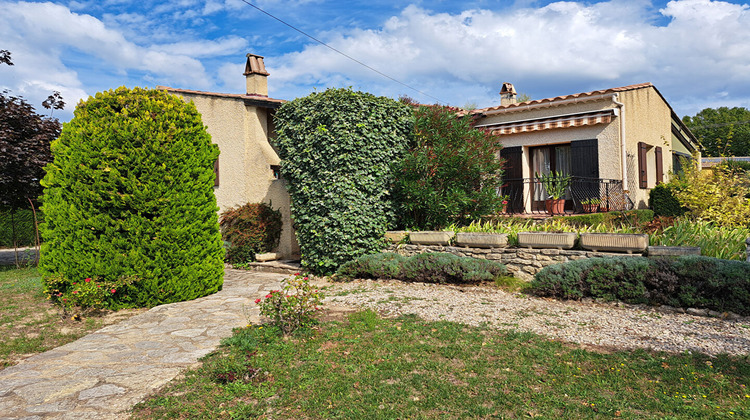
x=697 y=52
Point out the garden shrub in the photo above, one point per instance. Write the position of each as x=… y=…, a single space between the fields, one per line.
x=450 y=174
x=685 y=281
x=430 y=267
x=20 y=220
x=337 y=147
x=716 y=241
x=250 y=229
x=383 y=265
x=663 y=202
x=129 y=195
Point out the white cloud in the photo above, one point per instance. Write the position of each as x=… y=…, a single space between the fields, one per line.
x=601 y=45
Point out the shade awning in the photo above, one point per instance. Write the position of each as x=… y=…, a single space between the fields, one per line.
x=549 y=123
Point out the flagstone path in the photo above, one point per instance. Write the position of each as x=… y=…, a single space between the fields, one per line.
x=104 y=374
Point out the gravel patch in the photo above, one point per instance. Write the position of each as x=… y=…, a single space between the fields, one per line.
x=601 y=326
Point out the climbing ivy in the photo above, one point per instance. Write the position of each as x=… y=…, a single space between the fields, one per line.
x=337 y=147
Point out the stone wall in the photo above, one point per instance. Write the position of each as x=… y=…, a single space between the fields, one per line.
x=521 y=262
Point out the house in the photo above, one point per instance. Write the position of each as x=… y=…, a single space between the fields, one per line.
x=247 y=170
x=616 y=144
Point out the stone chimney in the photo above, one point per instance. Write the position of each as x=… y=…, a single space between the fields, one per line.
x=256 y=76
x=508 y=94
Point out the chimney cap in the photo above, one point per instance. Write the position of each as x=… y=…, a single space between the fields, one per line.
x=508 y=89
x=254 y=65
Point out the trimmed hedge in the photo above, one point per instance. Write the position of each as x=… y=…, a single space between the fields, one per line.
x=431 y=267
x=686 y=281
x=129 y=194
x=662 y=201
x=250 y=229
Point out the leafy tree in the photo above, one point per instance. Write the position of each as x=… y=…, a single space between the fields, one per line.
x=450 y=174
x=336 y=148
x=722 y=131
x=129 y=195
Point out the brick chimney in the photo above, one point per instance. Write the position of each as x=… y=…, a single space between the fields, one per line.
x=256 y=76
x=508 y=94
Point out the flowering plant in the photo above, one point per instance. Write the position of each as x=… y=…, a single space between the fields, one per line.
x=91 y=292
x=292 y=307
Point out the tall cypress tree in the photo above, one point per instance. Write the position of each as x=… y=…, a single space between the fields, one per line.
x=130 y=194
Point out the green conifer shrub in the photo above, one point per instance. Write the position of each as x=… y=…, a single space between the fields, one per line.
x=337 y=147
x=129 y=194
x=250 y=229
x=663 y=201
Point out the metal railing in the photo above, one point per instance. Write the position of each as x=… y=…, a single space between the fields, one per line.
x=584 y=195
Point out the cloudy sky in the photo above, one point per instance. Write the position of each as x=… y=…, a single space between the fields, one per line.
x=697 y=52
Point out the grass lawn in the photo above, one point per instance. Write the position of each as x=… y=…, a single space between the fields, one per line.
x=363 y=366
x=30 y=324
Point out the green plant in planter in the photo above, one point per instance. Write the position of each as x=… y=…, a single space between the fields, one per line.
x=591 y=201
x=554 y=183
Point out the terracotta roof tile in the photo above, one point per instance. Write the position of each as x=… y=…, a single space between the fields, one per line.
x=562 y=98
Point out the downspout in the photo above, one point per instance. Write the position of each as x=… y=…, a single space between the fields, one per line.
x=621 y=110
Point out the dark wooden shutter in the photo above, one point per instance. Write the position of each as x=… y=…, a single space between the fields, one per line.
x=642 y=165
x=513 y=177
x=659 y=166
x=584 y=158
x=216 y=172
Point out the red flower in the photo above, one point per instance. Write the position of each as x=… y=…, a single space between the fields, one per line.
x=268 y=296
x=257 y=300
x=296 y=274
x=74 y=283
x=88 y=279
x=65 y=300
x=99 y=286
x=305 y=278
x=75 y=292
x=113 y=290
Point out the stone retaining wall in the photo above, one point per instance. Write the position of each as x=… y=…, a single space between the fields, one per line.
x=521 y=262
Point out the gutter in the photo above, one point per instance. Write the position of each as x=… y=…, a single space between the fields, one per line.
x=621 y=110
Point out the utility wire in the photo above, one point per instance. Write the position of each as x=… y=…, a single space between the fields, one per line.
x=342 y=53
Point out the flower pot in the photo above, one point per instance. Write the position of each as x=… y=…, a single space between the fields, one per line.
x=555 y=205
x=618 y=242
x=590 y=208
x=554 y=240
x=395 y=236
x=431 y=237
x=482 y=239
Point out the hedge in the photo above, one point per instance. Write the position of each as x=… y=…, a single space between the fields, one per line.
x=686 y=281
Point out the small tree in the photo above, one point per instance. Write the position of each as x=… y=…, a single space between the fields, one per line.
x=451 y=172
x=129 y=195
x=336 y=148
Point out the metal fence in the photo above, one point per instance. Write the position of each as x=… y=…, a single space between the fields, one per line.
x=584 y=195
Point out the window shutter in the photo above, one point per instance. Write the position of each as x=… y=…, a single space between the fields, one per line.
x=513 y=177
x=642 y=165
x=216 y=172
x=584 y=156
x=659 y=166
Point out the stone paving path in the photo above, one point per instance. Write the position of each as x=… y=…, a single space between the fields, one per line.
x=103 y=374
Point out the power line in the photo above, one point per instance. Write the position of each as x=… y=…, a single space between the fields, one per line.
x=342 y=53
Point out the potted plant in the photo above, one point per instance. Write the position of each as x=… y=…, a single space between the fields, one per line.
x=591 y=205
x=555 y=184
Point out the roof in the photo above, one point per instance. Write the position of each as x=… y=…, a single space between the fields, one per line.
x=709 y=162
x=551 y=101
x=255 y=100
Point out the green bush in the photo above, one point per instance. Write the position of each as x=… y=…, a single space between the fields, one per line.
x=384 y=265
x=22 y=221
x=429 y=267
x=686 y=281
x=337 y=147
x=715 y=241
x=663 y=202
x=250 y=229
x=450 y=174
x=129 y=195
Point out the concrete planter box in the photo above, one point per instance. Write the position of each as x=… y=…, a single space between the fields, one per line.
x=395 y=236
x=431 y=237
x=555 y=240
x=482 y=240
x=666 y=251
x=268 y=256
x=617 y=242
